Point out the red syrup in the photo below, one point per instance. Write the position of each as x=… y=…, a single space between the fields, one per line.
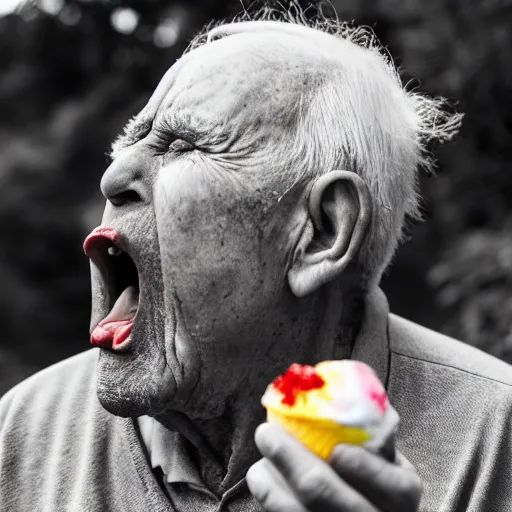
x=296 y=379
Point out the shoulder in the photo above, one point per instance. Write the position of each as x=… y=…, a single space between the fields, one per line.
x=48 y=423
x=61 y=450
x=47 y=393
x=427 y=347
x=455 y=407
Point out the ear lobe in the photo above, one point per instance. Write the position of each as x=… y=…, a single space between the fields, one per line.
x=339 y=210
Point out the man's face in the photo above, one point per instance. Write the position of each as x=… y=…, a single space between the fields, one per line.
x=197 y=204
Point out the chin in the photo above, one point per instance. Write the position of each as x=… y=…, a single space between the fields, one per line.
x=129 y=387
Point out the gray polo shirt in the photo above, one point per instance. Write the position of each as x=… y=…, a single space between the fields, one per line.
x=61 y=451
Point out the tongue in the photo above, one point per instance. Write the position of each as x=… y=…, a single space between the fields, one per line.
x=115 y=328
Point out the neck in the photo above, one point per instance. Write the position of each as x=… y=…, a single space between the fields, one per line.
x=223 y=448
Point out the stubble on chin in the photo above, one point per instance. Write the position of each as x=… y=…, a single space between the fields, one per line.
x=129 y=388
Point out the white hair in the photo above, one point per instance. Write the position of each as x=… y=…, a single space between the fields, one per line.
x=361 y=118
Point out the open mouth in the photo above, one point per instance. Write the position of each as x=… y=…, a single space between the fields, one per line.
x=103 y=246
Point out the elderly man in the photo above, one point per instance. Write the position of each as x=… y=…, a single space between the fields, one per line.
x=252 y=207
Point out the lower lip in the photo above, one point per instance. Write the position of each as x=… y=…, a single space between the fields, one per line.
x=120 y=342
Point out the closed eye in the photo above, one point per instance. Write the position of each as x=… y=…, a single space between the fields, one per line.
x=181 y=146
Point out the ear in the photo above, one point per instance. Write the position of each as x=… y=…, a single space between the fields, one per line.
x=339 y=210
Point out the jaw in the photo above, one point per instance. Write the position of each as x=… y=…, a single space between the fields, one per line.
x=160 y=373
x=133 y=387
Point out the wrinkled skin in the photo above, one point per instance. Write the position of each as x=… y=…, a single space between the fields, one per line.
x=204 y=203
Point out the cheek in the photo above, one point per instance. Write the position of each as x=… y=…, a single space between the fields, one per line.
x=211 y=250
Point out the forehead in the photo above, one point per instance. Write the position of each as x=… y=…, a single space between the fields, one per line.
x=241 y=77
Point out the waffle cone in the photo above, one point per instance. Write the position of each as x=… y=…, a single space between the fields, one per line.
x=319 y=435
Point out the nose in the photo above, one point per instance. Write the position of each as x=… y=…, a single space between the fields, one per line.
x=123 y=181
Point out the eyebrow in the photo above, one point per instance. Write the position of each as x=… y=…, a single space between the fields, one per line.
x=136 y=129
x=179 y=124
x=164 y=121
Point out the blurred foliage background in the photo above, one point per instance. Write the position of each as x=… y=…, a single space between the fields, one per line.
x=73 y=71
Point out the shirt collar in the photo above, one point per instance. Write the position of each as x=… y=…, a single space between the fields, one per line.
x=166 y=449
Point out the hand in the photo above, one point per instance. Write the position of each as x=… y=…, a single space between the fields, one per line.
x=291 y=478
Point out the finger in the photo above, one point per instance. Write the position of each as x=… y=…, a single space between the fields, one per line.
x=391 y=486
x=268 y=486
x=312 y=480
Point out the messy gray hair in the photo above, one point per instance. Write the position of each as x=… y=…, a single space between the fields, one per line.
x=369 y=123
